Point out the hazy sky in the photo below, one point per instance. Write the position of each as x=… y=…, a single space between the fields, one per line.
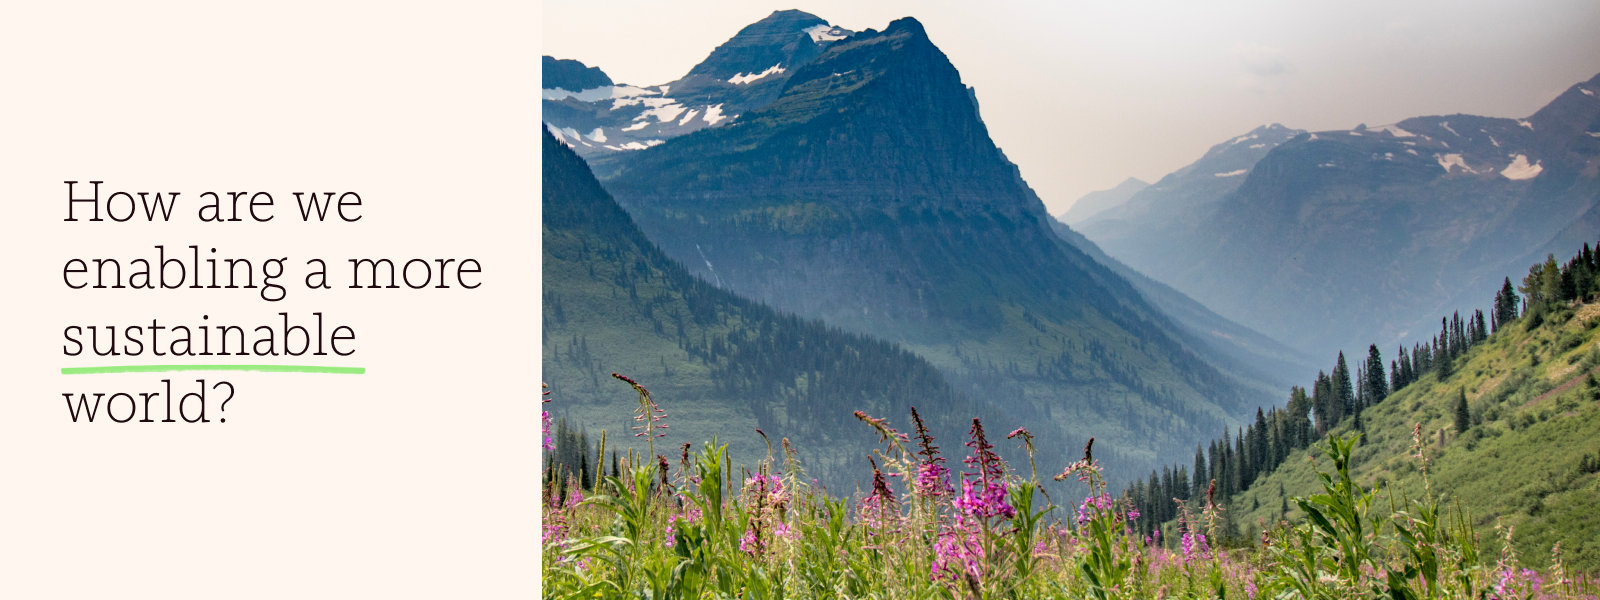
x=1084 y=94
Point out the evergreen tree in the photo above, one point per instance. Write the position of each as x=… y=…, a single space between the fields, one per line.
x=1344 y=392
x=1505 y=305
x=1299 y=418
x=1322 y=402
x=1377 y=385
x=1442 y=357
x=1463 y=418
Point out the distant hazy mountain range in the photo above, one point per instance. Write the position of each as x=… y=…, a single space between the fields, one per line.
x=1336 y=239
x=1093 y=203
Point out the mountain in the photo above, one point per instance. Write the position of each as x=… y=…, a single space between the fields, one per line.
x=572 y=75
x=1094 y=202
x=1234 y=346
x=603 y=118
x=869 y=194
x=1339 y=238
x=1131 y=230
x=720 y=365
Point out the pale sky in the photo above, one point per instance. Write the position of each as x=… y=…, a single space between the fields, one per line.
x=1082 y=95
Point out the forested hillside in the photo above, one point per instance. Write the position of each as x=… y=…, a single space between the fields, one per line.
x=1504 y=407
x=719 y=365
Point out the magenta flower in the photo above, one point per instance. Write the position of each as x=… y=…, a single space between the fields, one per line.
x=933 y=480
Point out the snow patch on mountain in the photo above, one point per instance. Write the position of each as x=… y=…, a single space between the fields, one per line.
x=743 y=79
x=637 y=145
x=714 y=114
x=1446 y=126
x=1519 y=169
x=1231 y=173
x=1452 y=160
x=1395 y=131
x=665 y=112
x=827 y=33
x=1526 y=124
x=688 y=116
x=596 y=94
x=1586 y=91
x=598 y=135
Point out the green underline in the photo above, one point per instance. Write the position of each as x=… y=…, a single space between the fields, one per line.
x=261 y=368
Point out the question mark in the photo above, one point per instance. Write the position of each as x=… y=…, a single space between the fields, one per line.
x=224 y=406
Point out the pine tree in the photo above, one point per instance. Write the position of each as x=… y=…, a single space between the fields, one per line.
x=1505 y=306
x=1463 y=418
x=1322 y=402
x=1442 y=356
x=1344 y=393
x=1377 y=385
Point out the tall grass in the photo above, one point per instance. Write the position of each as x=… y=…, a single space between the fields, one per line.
x=987 y=530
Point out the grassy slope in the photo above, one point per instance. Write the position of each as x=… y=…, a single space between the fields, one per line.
x=1535 y=416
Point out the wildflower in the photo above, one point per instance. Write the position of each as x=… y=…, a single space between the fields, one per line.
x=649 y=415
x=1086 y=471
x=544 y=416
x=987 y=464
x=933 y=480
x=929 y=452
x=885 y=432
x=985 y=503
x=1533 y=579
x=878 y=509
x=750 y=543
x=784 y=531
x=1091 y=506
x=1194 y=546
x=768 y=491
x=671 y=532
x=958 y=555
x=549 y=443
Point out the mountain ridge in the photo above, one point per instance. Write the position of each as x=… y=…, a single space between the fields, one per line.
x=1400 y=220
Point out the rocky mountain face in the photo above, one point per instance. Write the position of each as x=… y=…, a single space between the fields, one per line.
x=571 y=75
x=868 y=193
x=1094 y=203
x=720 y=365
x=603 y=119
x=1336 y=239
